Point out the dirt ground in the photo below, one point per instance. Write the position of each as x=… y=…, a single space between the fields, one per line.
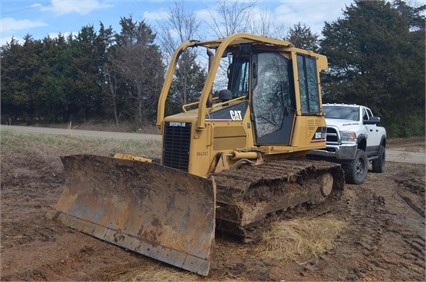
x=385 y=239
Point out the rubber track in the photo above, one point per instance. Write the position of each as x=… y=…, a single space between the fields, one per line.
x=247 y=197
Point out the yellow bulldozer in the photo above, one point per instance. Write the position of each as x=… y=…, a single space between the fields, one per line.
x=230 y=161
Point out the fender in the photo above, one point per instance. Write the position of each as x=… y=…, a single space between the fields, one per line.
x=362 y=141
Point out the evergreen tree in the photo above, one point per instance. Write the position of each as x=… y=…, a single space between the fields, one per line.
x=302 y=37
x=19 y=68
x=87 y=62
x=55 y=78
x=13 y=95
x=139 y=61
x=375 y=60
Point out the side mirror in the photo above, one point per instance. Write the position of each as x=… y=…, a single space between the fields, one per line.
x=372 y=120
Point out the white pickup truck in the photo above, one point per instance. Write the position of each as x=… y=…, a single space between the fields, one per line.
x=353 y=139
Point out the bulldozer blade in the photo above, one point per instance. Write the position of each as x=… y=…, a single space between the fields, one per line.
x=157 y=211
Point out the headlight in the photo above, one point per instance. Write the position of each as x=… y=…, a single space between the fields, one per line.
x=348 y=136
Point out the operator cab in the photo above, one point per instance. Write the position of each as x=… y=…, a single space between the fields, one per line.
x=266 y=79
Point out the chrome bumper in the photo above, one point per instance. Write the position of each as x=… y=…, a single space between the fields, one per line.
x=338 y=152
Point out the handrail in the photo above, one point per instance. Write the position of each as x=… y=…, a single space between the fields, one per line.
x=220 y=45
x=168 y=80
x=184 y=107
x=229 y=101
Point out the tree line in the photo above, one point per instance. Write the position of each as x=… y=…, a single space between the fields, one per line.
x=93 y=75
x=376 y=55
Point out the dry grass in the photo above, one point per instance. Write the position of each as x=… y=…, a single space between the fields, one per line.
x=411 y=144
x=151 y=271
x=300 y=239
x=106 y=126
x=407 y=170
x=47 y=144
x=156 y=271
x=159 y=272
x=46 y=148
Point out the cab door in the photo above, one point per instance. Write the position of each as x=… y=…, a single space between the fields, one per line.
x=273 y=103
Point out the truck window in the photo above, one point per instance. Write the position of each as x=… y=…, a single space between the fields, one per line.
x=365 y=114
x=340 y=112
x=308 y=84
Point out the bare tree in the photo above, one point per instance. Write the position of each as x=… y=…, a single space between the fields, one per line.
x=110 y=79
x=182 y=25
x=231 y=16
x=279 y=31
x=261 y=24
x=139 y=62
x=111 y=87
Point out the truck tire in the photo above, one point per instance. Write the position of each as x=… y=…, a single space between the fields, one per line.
x=378 y=165
x=356 y=171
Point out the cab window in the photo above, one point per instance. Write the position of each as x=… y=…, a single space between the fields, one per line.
x=308 y=84
x=239 y=78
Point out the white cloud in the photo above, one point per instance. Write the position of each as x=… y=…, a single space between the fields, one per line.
x=36 y=5
x=204 y=14
x=155 y=16
x=82 y=7
x=290 y=13
x=11 y=24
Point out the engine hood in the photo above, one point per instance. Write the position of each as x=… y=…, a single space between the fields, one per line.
x=342 y=124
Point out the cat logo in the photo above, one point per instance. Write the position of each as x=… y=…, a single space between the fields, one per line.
x=235 y=115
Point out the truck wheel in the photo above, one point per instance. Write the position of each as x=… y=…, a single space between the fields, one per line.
x=356 y=171
x=378 y=164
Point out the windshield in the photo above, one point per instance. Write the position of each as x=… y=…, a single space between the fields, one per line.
x=341 y=112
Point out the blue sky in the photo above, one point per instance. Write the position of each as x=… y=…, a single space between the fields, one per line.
x=41 y=18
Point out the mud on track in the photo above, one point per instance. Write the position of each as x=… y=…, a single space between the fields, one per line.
x=385 y=239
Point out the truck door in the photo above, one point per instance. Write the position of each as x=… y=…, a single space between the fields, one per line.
x=273 y=103
x=374 y=138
